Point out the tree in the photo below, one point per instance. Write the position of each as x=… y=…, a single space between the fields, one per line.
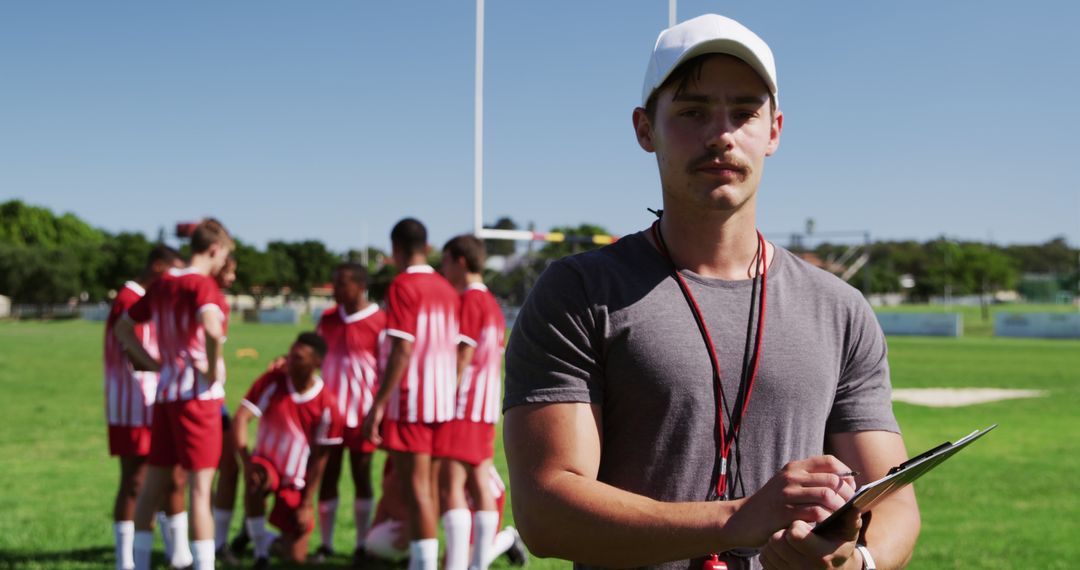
x=38 y=275
x=574 y=241
x=501 y=246
x=312 y=265
x=253 y=272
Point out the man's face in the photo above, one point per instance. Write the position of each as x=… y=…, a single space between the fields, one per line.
x=453 y=270
x=346 y=290
x=711 y=139
x=219 y=257
x=302 y=361
x=227 y=276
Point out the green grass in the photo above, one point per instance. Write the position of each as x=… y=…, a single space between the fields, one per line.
x=1010 y=500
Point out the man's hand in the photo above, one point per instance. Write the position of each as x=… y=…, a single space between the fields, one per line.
x=305 y=518
x=372 y=421
x=255 y=476
x=798 y=547
x=808 y=490
x=276 y=364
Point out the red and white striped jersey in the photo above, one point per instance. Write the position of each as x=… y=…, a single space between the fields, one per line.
x=422 y=308
x=291 y=422
x=483 y=327
x=350 y=368
x=175 y=303
x=129 y=394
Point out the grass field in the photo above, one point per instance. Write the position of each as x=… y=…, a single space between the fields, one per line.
x=1011 y=500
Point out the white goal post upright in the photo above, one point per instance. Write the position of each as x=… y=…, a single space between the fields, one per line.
x=478 y=126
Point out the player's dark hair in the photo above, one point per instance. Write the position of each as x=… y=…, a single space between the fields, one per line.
x=357 y=272
x=469 y=247
x=162 y=252
x=316 y=342
x=208 y=232
x=687 y=72
x=410 y=235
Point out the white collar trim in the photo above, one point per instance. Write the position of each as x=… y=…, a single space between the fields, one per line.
x=476 y=287
x=423 y=268
x=135 y=287
x=358 y=315
x=178 y=272
x=309 y=394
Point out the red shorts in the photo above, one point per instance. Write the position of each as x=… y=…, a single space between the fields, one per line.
x=286 y=503
x=129 y=441
x=466 y=441
x=186 y=432
x=409 y=437
x=356 y=443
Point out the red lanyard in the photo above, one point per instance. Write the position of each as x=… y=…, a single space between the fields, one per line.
x=744 y=399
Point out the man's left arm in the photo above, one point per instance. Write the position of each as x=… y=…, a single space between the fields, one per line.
x=893 y=526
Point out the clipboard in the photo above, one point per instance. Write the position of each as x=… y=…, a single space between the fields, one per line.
x=899 y=477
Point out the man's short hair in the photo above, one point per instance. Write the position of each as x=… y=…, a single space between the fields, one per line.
x=316 y=342
x=681 y=77
x=208 y=232
x=164 y=253
x=469 y=247
x=410 y=235
x=358 y=273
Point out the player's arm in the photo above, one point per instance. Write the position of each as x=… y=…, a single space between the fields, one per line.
x=553 y=451
x=465 y=353
x=124 y=331
x=239 y=433
x=215 y=333
x=396 y=365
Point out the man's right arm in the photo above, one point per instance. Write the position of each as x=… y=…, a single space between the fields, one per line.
x=124 y=331
x=396 y=365
x=563 y=511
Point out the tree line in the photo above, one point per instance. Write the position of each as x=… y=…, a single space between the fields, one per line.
x=47 y=258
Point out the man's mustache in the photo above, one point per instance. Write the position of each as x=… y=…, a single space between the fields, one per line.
x=730 y=161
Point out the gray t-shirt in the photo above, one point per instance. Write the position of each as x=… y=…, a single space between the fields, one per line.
x=611 y=327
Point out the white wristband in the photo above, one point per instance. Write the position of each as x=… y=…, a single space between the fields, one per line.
x=867 y=560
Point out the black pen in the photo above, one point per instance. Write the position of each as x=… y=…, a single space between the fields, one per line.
x=848 y=474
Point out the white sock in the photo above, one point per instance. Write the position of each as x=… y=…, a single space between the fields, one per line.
x=222 y=522
x=485 y=525
x=124 y=532
x=256 y=527
x=503 y=541
x=424 y=554
x=327 y=518
x=203 y=551
x=457 y=523
x=142 y=545
x=362 y=510
x=166 y=536
x=178 y=530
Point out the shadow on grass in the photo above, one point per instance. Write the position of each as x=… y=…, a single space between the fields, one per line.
x=96 y=557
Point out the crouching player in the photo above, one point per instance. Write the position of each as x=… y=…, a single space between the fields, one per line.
x=298 y=420
x=388 y=538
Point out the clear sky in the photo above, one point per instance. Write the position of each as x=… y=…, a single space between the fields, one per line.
x=333 y=119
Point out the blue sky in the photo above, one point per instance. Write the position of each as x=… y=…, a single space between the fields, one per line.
x=333 y=119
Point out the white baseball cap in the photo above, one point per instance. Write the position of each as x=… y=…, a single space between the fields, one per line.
x=710 y=33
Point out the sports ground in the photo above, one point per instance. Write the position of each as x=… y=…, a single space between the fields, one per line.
x=1011 y=500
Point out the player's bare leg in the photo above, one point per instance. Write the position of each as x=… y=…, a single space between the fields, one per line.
x=132 y=473
x=414 y=476
x=173 y=519
x=328 y=503
x=225 y=498
x=154 y=490
x=456 y=517
x=294 y=547
x=486 y=519
x=201 y=483
x=364 y=503
x=255 y=493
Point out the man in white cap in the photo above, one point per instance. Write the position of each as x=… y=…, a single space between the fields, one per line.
x=671 y=399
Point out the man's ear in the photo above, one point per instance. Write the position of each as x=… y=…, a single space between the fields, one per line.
x=643 y=130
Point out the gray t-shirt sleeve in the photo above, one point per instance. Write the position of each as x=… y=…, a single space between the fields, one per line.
x=864 y=394
x=554 y=350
